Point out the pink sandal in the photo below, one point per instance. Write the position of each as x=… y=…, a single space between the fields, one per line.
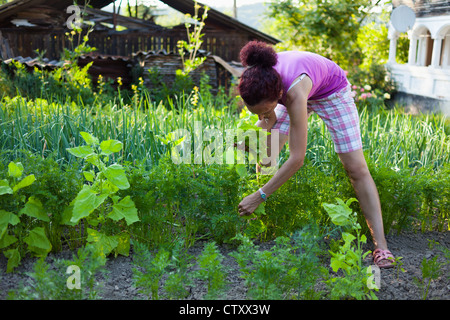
x=383 y=258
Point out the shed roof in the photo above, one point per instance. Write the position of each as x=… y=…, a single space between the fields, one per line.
x=11 y=8
x=219 y=18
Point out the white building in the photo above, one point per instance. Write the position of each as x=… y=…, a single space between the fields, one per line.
x=427 y=73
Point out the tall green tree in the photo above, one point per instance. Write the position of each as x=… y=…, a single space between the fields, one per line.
x=140 y=10
x=327 y=27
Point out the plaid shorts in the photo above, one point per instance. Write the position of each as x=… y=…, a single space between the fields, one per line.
x=340 y=115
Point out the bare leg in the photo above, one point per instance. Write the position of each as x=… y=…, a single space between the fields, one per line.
x=367 y=194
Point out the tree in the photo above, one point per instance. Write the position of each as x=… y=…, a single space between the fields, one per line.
x=327 y=27
x=142 y=11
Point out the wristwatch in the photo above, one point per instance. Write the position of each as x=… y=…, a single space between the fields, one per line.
x=263 y=195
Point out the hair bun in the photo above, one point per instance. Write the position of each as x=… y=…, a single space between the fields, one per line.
x=257 y=53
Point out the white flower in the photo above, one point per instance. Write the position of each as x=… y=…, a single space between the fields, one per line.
x=367 y=87
x=387 y=96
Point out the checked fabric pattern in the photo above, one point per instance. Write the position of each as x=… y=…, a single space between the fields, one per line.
x=340 y=115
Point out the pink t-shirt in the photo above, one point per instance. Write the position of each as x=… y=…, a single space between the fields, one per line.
x=327 y=77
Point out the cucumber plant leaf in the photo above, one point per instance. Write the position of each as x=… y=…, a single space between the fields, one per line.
x=123 y=246
x=5 y=188
x=89 y=138
x=124 y=209
x=110 y=146
x=13 y=257
x=38 y=242
x=103 y=243
x=8 y=218
x=340 y=213
x=25 y=182
x=86 y=201
x=89 y=175
x=241 y=170
x=15 y=169
x=115 y=173
x=80 y=152
x=33 y=208
x=7 y=240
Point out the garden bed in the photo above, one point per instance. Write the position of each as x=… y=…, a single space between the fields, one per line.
x=413 y=247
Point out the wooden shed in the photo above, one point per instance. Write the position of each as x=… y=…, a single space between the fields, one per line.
x=30 y=25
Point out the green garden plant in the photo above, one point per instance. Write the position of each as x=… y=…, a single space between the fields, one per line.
x=307 y=256
x=44 y=284
x=288 y=270
x=98 y=202
x=68 y=79
x=149 y=270
x=48 y=280
x=194 y=41
x=179 y=278
x=431 y=270
x=398 y=265
x=165 y=273
x=212 y=271
x=27 y=222
x=349 y=255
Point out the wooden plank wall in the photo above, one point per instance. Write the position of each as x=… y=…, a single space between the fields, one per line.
x=225 y=45
x=24 y=42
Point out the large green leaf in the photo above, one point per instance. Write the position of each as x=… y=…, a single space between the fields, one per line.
x=7 y=240
x=95 y=160
x=8 y=218
x=340 y=214
x=38 y=242
x=86 y=201
x=241 y=170
x=90 y=139
x=110 y=146
x=89 y=175
x=25 y=182
x=15 y=169
x=80 y=152
x=125 y=209
x=102 y=242
x=5 y=188
x=123 y=246
x=33 y=208
x=13 y=256
x=116 y=174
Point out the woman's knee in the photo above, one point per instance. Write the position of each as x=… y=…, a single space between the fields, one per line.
x=357 y=170
x=355 y=165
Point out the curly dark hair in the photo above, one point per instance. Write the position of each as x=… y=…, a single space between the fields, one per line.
x=260 y=81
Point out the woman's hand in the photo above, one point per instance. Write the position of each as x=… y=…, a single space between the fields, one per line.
x=249 y=204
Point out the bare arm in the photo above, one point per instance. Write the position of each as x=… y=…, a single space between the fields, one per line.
x=272 y=154
x=297 y=109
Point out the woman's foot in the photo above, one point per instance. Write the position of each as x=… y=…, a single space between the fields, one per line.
x=383 y=258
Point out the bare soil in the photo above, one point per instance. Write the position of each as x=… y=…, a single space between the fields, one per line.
x=413 y=247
